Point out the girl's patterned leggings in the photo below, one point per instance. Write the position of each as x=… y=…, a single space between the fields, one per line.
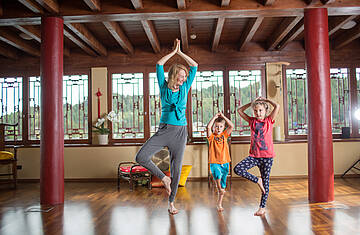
x=264 y=165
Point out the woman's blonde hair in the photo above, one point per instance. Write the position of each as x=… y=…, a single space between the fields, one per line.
x=173 y=71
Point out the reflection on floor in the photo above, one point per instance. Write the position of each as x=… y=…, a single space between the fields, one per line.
x=98 y=208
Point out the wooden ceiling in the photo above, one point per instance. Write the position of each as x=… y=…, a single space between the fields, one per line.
x=95 y=27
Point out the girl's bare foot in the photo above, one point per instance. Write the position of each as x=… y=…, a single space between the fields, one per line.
x=167 y=182
x=219 y=208
x=172 y=210
x=221 y=191
x=261 y=186
x=260 y=212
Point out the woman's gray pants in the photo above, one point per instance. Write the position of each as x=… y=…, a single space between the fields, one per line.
x=173 y=137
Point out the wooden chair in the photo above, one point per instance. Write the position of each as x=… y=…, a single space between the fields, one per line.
x=211 y=181
x=8 y=158
x=352 y=167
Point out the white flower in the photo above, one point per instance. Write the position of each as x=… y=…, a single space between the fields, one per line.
x=113 y=117
x=99 y=122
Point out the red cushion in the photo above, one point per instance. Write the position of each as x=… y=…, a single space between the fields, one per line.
x=135 y=169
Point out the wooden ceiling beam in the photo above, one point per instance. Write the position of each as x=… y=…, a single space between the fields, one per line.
x=149 y=29
x=82 y=32
x=32 y=6
x=284 y=28
x=79 y=43
x=94 y=5
x=181 y=4
x=250 y=30
x=266 y=2
x=119 y=35
x=35 y=33
x=30 y=30
x=50 y=5
x=8 y=52
x=225 y=3
x=346 y=38
x=13 y=40
x=1 y=8
x=340 y=8
x=324 y=2
x=335 y=26
x=299 y=28
x=137 y=4
x=327 y=1
x=184 y=34
x=217 y=34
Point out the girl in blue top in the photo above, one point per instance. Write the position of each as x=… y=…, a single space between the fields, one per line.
x=172 y=131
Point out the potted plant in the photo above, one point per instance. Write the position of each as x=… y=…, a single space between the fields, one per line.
x=103 y=131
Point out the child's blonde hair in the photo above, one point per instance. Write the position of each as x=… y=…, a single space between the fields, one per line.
x=173 y=71
x=260 y=102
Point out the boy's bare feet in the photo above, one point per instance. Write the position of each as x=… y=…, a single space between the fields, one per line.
x=221 y=193
x=167 y=182
x=172 y=210
x=260 y=212
x=261 y=186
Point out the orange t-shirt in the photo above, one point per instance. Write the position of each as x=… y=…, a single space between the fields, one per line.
x=219 y=148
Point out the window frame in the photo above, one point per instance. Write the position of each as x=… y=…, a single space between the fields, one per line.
x=262 y=68
x=131 y=69
x=352 y=100
x=25 y=117
x=189 y=115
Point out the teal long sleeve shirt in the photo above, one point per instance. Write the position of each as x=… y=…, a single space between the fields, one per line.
x=173 y=104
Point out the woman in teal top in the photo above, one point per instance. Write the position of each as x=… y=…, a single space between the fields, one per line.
x=172 y=132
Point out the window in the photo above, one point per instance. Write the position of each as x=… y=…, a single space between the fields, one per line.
x=296 y=99
x=207 y=99
x=339 y=99
x=155 y=103
x=11 y=98
x=296 y=84
x=245 y=86
x=128 y=103
x=358 y=95
x=34 y=108
x=75 y=107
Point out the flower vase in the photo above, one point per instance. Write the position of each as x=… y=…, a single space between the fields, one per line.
x=103 y=139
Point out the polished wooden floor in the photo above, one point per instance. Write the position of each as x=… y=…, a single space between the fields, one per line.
x=98 y=208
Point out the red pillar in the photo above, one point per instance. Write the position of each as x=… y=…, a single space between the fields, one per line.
x=320 y=146
x=52 y=123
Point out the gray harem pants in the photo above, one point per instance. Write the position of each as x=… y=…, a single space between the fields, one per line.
x=173 y=137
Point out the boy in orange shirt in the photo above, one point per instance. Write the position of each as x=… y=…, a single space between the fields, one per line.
x=219 y=156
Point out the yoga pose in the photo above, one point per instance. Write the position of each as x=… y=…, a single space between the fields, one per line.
x=261 y=151
x=219 y=156
x=172 y=130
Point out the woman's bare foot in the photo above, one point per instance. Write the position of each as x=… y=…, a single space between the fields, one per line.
x=172 y=210
x=261 y=186
x=260 y=212
x=167 y=182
